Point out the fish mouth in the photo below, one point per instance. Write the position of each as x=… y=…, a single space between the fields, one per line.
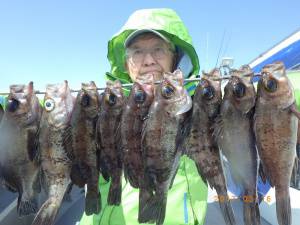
x=59 y=121
x=187 y=106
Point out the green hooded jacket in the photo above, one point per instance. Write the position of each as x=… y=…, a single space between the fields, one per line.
x=187 y=199
x=165 y=21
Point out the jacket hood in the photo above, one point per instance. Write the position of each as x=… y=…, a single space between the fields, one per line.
x=169 y=24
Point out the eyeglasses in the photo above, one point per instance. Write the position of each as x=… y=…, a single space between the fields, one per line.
x=137 y=55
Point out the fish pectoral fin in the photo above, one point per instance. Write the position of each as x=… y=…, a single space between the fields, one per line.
x=295 y=172
x=294 y=110
x=218 y=128
x=201 y=174
x=77 y=177
x=47 y=213
x=32 y=145
x=261 y=173
x=27 y=206
x=186 y=106
x=67 y=142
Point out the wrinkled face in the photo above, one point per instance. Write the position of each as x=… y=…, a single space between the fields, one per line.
x=58 y=105
x=149 y=54
x=19 y=104
x=89 y=99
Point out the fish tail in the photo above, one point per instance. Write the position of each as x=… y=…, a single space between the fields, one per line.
x=283 y=206
x=251 y=213
x=27 y=206
x=227 y=212
x=115 y=191
x=225 y=205
x=47 y=213
x=92 y=203
x=154 y=210
x=144 y=196
x=257 y=212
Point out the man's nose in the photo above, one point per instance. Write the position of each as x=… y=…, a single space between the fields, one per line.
x=149 y=59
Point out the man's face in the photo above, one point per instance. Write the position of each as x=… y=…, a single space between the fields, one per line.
x=149 y=54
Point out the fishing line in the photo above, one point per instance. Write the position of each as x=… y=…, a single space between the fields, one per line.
x=222 y=43
x=156 y=82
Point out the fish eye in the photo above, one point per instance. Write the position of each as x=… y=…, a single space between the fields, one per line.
x=13 y=105
x=111 y=99
x=208 y=92
x=167 y=91
x=271 y=85
x=85 y=100
x=139 y=96
x=203 y=83
x=239 y=90
x=49 y=104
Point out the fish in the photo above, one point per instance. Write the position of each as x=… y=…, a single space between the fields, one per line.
x=1 y=112
x=161 y=137
x=108 y=138
x=134 y=114
x=275 y=127
x=19 y=162
x=200 y=143
x=55 y=143
x=234 y=134
x=85 y=151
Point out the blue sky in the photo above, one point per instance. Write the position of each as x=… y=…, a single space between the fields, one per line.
x=49 y=41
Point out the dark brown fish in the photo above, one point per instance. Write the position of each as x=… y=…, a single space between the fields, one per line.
x=235 y=137
x=55 y=146
x=85 y=163
x=109 y=140
x=200 y=143
x=18 y=149
x=1 y=112
x=276 y=134
x=162 y=134
x=133 y=117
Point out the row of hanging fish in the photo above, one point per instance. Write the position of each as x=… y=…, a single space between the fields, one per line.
x=260 y=128
x=69 y=141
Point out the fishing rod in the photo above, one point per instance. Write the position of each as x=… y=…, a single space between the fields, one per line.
x=188 y=80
